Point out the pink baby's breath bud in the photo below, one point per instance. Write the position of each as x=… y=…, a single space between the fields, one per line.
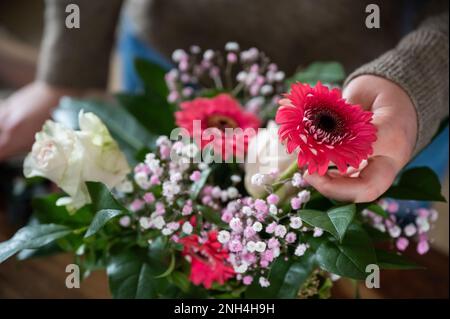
x=261 y=206
x=160 y=208
x=280 y=231
x=236 y=224
x=227 y=216
x=183 y=65
x=208 y=55
x=317 y=232
x=247 y=280
x=395 y=231
x=290 y=237
x=423 y=247
x=173 y=226
x=125 y=221
x=296 y=203
x=214 y=72
x=154 y=180
x=273 y=199
x=232 y=46
x=263 y=282
x=149 y=198
x=187 y=209
x=301 y=249
x=137 y=205
x=195 y=176
x=235 y=246
x=164 y=151
x=298 y=181
x=266 y=89
x=393 y=207
x=179 y=55
x=188 y=91
x=173 y=97
x=402 y=243
x=232 y=57
x=206 y=200
x=410 y=230
x=254 y=89
x=304 y=196
x=249 y=232
x=195 y=49
x=271 y=228
x=241 y=76
x=273 y=243
x=185 y=78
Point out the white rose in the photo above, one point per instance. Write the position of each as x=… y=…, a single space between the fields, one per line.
x=70 y=158
x=104 y=161
x=265 y=155
x=57 y=155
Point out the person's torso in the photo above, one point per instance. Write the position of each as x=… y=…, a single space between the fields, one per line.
x=291 y=32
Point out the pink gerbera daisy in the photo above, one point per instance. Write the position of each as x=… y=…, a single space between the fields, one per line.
x=215 y=115
x=324 y=128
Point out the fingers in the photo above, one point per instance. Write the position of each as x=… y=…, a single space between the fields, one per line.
x=370 y=184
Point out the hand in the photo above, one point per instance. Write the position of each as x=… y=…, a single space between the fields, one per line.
x=24 y=113
x=396 y=120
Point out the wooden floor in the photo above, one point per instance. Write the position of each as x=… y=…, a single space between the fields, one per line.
x=45 y=278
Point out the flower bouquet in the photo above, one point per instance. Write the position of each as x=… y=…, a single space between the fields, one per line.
x=194 y=187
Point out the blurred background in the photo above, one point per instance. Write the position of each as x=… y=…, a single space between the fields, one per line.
x=21 y=28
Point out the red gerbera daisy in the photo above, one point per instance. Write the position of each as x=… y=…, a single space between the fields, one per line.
x=208 y=260
x=324 y=128
x=217 y=114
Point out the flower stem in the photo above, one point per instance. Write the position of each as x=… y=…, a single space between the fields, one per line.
x=285 y=175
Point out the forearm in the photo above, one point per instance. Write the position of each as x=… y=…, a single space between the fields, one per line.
x=78 y=57
x=419 y=64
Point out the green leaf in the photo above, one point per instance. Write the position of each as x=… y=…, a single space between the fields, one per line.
x=101 y=197
x=390 y=260
x=377 y=209
x=197 y=186
x=32 y=237
x=212 y=216
x=125 y=129
x=341 y=217
x=169 y=269
x=297 y=275
x=132 y=273
x=153 y=113
x=46 y=211
x=101 y=218
x=153 y=77
x=335 y=221
x=50 y=249
x=180 y=280
x=349 y=258
x=286 y=278
x=419 y=183
x=326 y=72
x=318 y=219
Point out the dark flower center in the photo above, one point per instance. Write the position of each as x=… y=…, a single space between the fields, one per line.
x=326 y=123
x=221 y=122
